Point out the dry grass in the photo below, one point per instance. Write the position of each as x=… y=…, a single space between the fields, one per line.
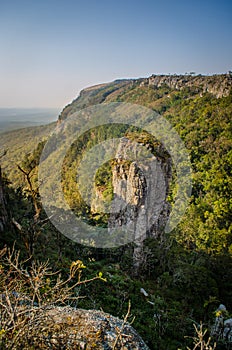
x=28 y=290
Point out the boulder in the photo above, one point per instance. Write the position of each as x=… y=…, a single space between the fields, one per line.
x=69 y=328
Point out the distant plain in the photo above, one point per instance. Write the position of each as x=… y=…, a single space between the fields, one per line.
x=16 y=118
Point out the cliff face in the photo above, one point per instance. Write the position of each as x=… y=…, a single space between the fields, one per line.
x=140 y=193
x=217 y=85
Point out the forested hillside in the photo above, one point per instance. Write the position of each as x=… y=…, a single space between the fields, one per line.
x=183 y=275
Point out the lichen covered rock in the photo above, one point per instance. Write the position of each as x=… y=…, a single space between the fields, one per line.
x=68 y=328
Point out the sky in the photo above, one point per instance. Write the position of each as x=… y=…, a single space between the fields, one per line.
x=52 y=49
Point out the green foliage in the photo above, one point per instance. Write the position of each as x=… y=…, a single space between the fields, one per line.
x=207 y=134
x=20 y=144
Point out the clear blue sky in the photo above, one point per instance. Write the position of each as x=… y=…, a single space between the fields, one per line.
x=51 y=49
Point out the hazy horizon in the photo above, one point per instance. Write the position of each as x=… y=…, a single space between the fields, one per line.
x=17 y=118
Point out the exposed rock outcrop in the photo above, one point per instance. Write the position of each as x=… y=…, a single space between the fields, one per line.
x=87 y=329
x=218 y=85
x=140 y=193
x=222 y=328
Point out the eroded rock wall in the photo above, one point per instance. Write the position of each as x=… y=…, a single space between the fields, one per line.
x=140 y=194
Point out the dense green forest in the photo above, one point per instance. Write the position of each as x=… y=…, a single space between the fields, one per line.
x=187 y=273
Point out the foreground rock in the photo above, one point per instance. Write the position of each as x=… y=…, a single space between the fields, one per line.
x=222 y=328
x=68 y=328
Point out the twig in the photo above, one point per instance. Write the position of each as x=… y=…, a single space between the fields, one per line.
x=119 y=335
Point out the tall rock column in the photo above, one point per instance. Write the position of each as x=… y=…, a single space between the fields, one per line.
x=140 y=186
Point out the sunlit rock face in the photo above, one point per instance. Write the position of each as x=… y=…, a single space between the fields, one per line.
x=217 y=85
x=140 y=184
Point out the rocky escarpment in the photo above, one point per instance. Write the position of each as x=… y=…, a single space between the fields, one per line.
x=217 y=85
x=140 y=194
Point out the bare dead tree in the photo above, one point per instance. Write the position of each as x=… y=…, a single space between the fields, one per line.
x=28 y=175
